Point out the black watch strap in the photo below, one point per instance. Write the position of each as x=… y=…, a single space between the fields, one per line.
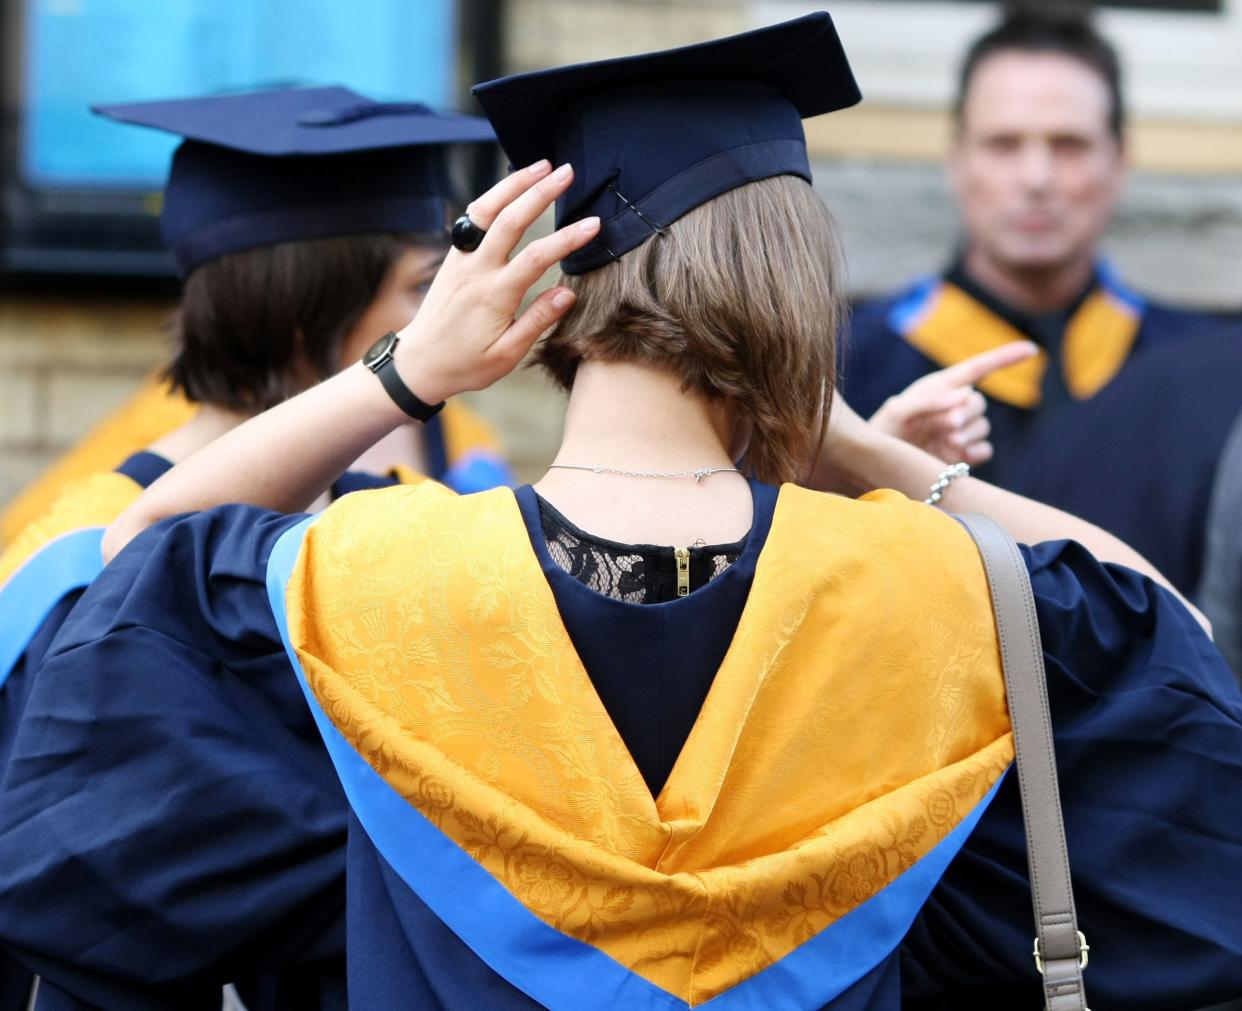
x=379 y=359
x=403 y=396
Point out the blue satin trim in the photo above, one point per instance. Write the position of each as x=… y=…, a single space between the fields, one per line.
x=821 y=969
x=1111 y=282
x=68 y=563
x=910 y=309
x=478 y=470
x=560 y=971
x=475 y=470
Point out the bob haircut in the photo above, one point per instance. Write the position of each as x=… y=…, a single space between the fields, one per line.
x=740 y=299
x=257 y=326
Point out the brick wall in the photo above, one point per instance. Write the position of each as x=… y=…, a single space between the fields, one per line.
x=64 y=363
x=543 y=33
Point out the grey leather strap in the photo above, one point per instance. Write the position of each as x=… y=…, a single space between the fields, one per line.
x=1060 y=948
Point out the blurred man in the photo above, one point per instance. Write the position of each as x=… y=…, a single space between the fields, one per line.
x=1142 y=458
x=1221 y=586
x=1037 y=164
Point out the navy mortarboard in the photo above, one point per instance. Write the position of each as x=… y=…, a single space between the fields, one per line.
x=653 y=136
x=298 y=163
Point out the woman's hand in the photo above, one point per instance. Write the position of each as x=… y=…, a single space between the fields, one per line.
x=466 y=336
x=943 y=414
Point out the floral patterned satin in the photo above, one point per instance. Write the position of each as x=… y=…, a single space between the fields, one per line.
x=858 y=717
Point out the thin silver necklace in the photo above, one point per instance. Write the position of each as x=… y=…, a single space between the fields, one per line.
x=698 y=474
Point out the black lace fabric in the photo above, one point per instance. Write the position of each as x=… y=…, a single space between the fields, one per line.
x=633 y=573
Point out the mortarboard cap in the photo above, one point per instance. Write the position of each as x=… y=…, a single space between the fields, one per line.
x=653 y=136
x=265 y=167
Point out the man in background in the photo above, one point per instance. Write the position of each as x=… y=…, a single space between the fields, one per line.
x=1221 y=588
x=1037 y=165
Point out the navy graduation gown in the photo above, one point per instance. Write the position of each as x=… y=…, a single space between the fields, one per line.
x=1084 y=456
x=15 y=685
x=143 y=468
x=877 y=361
x=214 y=841
x=1140 y=458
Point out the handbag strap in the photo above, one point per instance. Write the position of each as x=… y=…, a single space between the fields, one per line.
x=1060 y=949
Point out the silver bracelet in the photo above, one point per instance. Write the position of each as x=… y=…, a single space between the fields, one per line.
x=946 y=478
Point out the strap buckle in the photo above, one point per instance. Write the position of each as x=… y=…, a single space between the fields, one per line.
x=1084 y=950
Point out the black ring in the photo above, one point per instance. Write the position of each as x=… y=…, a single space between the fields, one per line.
x=466 y=234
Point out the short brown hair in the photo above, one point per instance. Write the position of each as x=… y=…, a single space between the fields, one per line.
x=257 y=326
x=740 y=299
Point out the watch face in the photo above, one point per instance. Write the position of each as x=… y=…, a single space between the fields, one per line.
x=378 y=351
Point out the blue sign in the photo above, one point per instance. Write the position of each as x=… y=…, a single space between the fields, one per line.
x=80 y=53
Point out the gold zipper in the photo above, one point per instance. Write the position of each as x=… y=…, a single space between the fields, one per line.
x=683 y=570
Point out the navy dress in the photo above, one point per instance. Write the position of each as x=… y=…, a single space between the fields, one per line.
x=169 y=777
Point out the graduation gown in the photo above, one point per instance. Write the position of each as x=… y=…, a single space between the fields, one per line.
x=43 y=574
x=55 y=557
x=1043 y=411
x=151 y=412
x=1148 y=724
x=1141 y=458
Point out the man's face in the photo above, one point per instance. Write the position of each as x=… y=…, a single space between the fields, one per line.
x=1035 y=167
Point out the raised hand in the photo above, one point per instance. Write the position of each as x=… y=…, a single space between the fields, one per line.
x=943 y=413
x=467 y=335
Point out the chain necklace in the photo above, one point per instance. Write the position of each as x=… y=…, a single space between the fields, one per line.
x=698 y=474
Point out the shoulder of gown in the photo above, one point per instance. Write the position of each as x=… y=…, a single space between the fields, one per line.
x=1147 y=723
x=168 y=776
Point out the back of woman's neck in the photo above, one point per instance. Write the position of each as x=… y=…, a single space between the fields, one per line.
x=634 y=418
x=637 y=417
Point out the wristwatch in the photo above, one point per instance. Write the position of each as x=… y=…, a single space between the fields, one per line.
x=379 y=359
